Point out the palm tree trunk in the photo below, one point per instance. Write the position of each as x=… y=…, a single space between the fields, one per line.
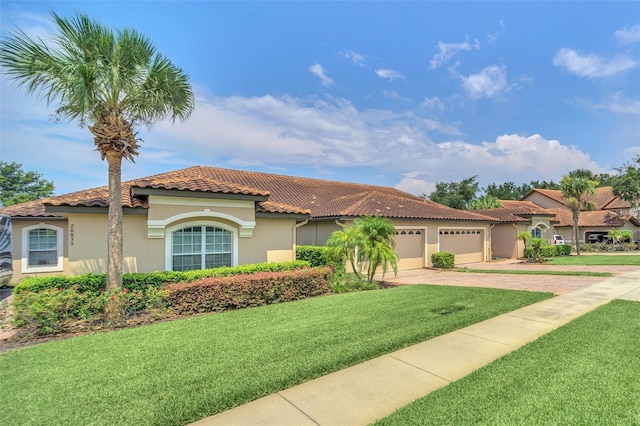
x=114 y=233
x=576 y=232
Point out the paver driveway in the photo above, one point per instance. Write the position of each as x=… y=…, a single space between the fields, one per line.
x=549 y=283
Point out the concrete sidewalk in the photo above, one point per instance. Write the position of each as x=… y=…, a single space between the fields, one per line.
x=374 y=389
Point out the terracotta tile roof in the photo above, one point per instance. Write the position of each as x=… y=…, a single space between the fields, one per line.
x=515 y=211
x=96 y=197
x=599 y=218
x=286 y=194
x=603 y=197
x=28 y=209
x=271 y=207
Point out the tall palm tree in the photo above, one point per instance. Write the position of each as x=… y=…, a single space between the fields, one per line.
x=111 y=81
x=574 y=188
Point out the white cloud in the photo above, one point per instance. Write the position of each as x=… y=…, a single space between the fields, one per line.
x=629 y=35
x=433 y=104
x=591 y=65
x=620 y=105
x=509 y=158
x=357 y=58
x=390 y=74
x=446 y=51
x=395 y=95
x=489 y=82
x=318 y=71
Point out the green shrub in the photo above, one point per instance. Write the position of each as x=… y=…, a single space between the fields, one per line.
x=217 y=294
x=443 y=260
x=350 y=282
x=563 y=250
x=603 y=247
x=49 y=311
x=315 y=255
x=321 y=256
x=549 y=251
x=139 y=281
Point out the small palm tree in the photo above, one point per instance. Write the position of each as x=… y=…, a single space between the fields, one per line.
x=111 y=81
x=574 y=188
x=379 y=243
x=524 y=236
x=345 y=243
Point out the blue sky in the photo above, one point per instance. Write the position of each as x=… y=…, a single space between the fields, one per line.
x=403 y=94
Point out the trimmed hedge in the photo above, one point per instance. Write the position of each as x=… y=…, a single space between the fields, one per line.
x=139 y=281
x=225 y=293
x=443 y=260
x=321 y=256
x=50 y=310
x=549 y=251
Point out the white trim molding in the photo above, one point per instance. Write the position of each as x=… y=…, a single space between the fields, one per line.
x=157 y=228
x=59 y=267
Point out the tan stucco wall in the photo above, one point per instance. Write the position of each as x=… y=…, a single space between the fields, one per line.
x=316 y=233
x=161 y=208
x=503 y=241
x=17 y=225
x=88 y=249
x=543 y=201
x=272 y=241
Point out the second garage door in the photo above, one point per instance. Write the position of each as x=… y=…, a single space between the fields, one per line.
x=410 y=249
x=466 y=244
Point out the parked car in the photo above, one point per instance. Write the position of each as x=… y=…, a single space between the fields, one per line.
x=558 y=240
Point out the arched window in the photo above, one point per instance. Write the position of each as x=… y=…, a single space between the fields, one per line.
x=536 y=232
x=42 y=248
x=201 y=247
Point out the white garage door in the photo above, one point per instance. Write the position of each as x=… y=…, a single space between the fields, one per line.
x=466 y=244
x=410 y=249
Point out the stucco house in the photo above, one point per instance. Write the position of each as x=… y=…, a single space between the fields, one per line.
x=203 y=217
x=610 y=213
x=513 y=218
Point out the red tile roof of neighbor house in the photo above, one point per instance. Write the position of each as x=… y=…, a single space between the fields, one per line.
x=603 y=197
x=285 y=194
x=515 y=211
x=595 y=218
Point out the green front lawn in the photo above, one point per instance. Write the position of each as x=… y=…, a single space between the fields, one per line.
x=596 y=259
x=584 y=373
x=176 y=372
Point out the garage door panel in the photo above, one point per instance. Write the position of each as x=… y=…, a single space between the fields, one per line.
x=410 y=249
x=466 y=244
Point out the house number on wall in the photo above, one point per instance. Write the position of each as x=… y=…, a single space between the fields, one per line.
x=71 y=234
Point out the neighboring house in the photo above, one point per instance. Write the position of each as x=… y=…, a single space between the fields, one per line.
x=515 y=217
x=203 y=217
x=610 y=213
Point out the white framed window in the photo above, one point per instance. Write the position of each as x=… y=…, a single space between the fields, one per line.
x=536 y=232
x=200 y=246
x=42 y=246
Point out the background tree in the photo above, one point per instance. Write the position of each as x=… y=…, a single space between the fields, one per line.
x=18 y=186
x=544 y=184
x=455 y=194
x=111 y=81
x=574 y=189
x=626 y=184
x=507 y=190
x=484 y=202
